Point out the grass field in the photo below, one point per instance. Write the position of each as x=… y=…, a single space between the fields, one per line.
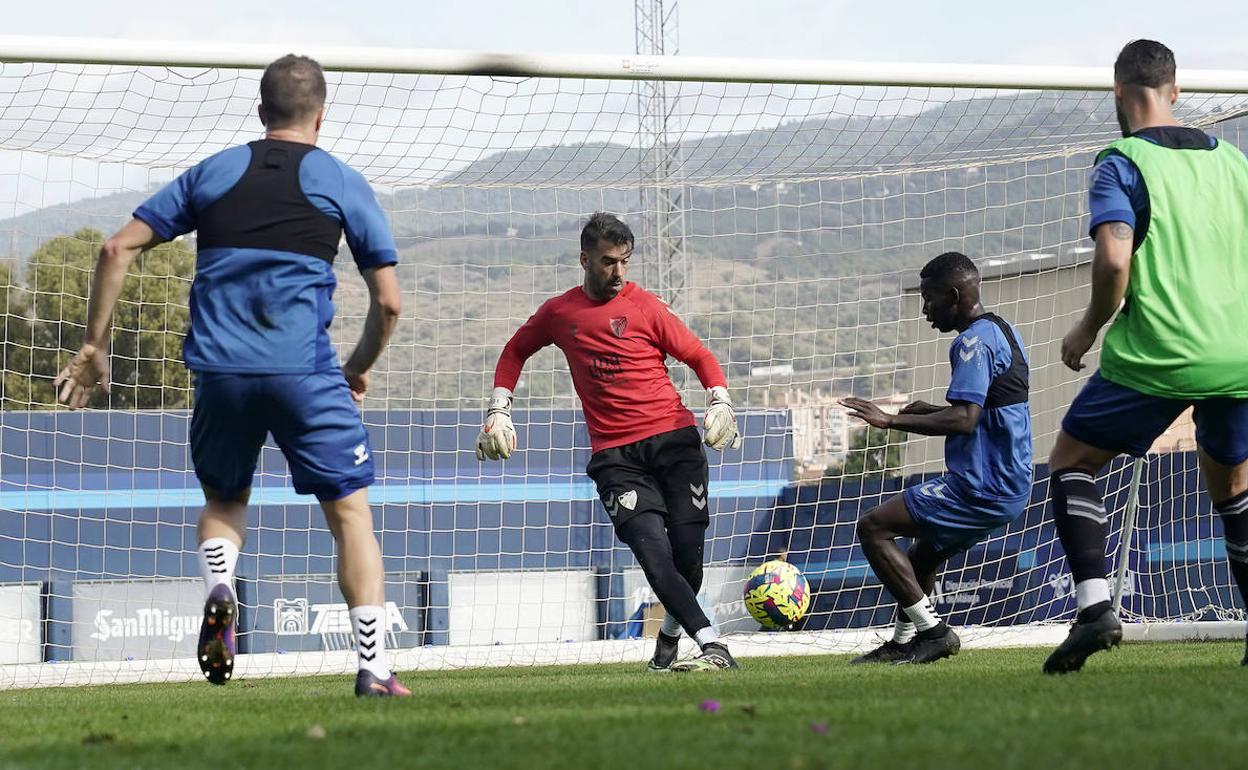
x=1175 y=705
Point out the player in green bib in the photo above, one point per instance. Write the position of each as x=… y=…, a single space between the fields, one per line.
x=1169 y=208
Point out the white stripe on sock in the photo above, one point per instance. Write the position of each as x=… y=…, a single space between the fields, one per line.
x=1099 y=519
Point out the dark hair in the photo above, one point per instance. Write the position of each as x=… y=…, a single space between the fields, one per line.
x=950 y=268
x=605 y=227
x=1144 y=63
x=292 y=89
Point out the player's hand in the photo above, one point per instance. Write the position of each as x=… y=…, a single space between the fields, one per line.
x=1075 y=345
x=920 y=407
x=867 y=412
x=358 y=382
x=720 y=422
x=497 y=439
x=76 y=382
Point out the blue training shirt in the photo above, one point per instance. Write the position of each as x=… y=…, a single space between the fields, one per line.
x=994 y=460
x=269 y=216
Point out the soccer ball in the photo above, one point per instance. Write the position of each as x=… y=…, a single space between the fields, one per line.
x=777 y=594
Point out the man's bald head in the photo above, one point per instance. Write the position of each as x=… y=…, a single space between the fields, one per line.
x=292 y=92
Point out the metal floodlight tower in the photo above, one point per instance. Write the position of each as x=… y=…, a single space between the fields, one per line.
x=662 y=243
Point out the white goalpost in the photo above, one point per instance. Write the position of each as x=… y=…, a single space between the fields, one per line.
x=809 y=195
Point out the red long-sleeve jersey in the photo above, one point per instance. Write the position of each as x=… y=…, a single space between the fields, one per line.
x=617 y=352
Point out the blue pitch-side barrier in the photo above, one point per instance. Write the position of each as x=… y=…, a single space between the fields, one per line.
x=110 y=496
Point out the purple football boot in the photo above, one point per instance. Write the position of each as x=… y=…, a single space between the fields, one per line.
x=216 y=635
x=367 y=685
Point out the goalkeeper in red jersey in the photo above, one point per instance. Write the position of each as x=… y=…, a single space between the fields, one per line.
x=648 y=462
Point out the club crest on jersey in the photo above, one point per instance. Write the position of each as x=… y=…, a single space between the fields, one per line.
x=618 y=325
x=629 y=499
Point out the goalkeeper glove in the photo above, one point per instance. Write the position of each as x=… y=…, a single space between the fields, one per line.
x=497 y=438
x=719 y=423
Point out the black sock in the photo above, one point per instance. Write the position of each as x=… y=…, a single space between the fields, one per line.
x=1092 y=612
x=1234 y=513
x=668 y=639
x=1081 y=521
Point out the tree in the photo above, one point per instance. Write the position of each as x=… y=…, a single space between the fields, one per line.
x=16 y=342
x=149 y=323
x=874 y=454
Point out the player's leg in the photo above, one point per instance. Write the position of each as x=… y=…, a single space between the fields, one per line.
x=925 y=560
x=361 y=577
x=1104 y=421
x=319 y=430
x=1222 y=439
x=677 y=462
x=226 y=437
x=646 y=536
x=877 y=534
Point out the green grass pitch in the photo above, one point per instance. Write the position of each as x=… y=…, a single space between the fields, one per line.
x=1142 y=706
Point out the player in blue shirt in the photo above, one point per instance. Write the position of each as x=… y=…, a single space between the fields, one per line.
x=269 y=217
x=987 y=452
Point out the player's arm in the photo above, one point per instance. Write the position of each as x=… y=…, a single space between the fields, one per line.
x=372 y=247
x=1111 y=269
x=497 y=438
x=1115 y=192
x=719 y=422
x=90 y=366
x=959 y=418
x=384 y=305
x=162 y=217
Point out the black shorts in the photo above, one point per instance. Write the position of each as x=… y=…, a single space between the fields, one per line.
x=664 y=474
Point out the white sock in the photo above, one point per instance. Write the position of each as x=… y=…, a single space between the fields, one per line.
x=922 y=614
x=368 y=624
x=1091 y=591
x=706 y=636
x=903 y=629
x=671 y=626
x=217 y=557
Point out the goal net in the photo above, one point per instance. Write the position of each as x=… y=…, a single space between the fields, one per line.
x=784 y=221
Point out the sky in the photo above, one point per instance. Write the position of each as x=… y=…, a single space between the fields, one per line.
x=1057 y=32
x=974 y=31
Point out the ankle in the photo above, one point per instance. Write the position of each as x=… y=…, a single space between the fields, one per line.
x=1093 y=611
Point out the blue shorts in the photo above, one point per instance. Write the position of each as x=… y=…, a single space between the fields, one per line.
x=312 y=417
x=1117 y=418
x=952 y=522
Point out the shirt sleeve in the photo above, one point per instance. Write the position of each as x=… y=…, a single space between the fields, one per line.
x=1114 y=190
x=170 y=212
x=676 y=340
x=972 y=362
x=364 y=224
x=532 y=336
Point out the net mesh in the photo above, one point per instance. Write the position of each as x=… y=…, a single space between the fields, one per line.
x=805 y=212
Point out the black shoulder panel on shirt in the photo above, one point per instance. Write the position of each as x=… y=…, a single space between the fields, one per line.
x=1177 y=137
x=267 y=208
x=1013 y=385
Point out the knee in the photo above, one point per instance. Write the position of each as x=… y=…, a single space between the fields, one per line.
x=868 y=529
x=689 y=564
x=1070 y=454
